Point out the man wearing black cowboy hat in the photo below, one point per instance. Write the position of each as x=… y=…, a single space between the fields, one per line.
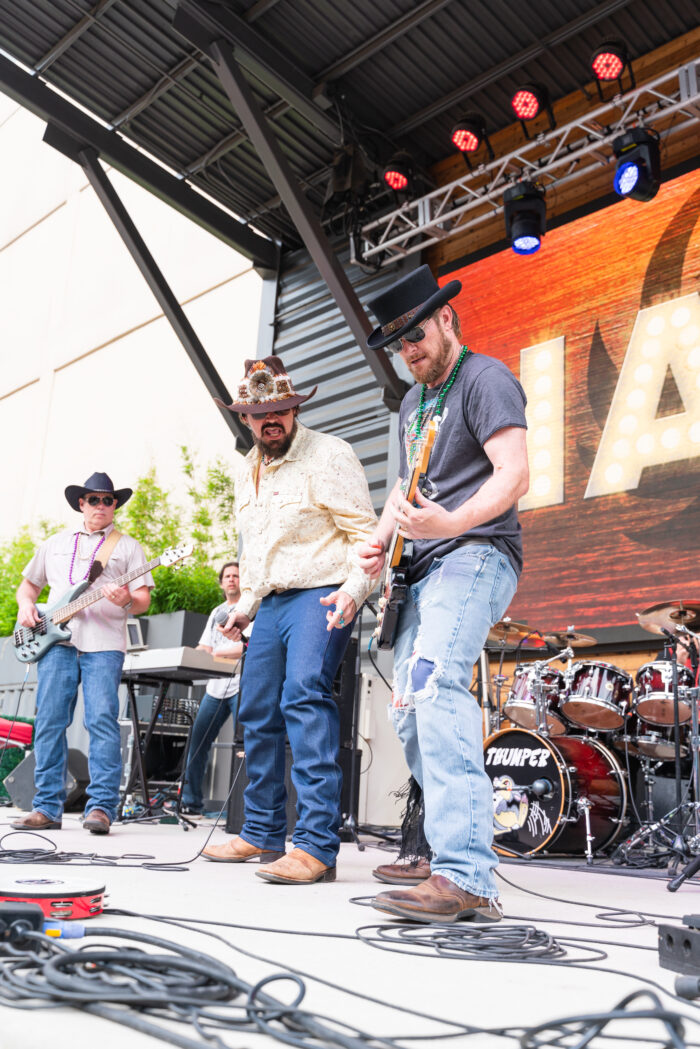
x=467 y=555
x=302 y=509
x=93 y=657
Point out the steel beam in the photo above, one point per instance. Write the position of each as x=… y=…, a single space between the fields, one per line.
x=306 y=222
x=50 y=107
x=73 y=34
x=89 y=161
x=201 y=22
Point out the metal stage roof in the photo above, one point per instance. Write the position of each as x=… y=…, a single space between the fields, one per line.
x=395 y=74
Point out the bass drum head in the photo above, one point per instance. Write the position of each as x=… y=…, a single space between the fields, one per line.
x=525 y=821
x=522 y=823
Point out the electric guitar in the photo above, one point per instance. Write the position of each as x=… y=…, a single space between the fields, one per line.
x=400 y=553
x=31 y=643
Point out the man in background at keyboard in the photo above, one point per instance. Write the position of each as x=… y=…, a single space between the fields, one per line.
x=221 y=696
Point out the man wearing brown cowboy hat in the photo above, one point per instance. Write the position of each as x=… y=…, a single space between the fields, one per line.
x=302 y=510
x=467 y=555
x=93 y=657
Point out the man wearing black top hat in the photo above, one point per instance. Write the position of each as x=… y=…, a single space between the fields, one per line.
x=467 y=555
x=93 y=657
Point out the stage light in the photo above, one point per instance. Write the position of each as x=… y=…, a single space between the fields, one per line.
x=608 y=63
x=525 y=216
x=638 y=173
x=528 y=101
x=398 y=173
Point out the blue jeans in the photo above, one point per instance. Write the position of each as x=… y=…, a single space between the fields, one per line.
x=58 y=674
x=286 y=685
x=211 y=717
x=442 y=629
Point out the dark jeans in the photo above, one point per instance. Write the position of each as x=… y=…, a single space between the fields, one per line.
x=286 y=690
x=211 y=717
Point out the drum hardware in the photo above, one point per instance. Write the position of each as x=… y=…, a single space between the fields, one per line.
x=539 y=667
x=669 y=615
x=584 y=806
x=597 y=695
x=502 y=633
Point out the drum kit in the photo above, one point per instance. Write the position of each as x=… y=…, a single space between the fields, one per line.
x=560 y=771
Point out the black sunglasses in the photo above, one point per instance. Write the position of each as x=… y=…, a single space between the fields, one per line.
x=416 y=334
x=95 y=500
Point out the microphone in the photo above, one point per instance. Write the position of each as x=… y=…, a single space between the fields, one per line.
x=541 y=787
x=671 y=636
x=221 y=616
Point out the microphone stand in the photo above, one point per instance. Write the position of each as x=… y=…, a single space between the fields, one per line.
x=348 y=828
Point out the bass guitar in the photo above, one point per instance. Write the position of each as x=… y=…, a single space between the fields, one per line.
x=31 y=643
x=400 y=552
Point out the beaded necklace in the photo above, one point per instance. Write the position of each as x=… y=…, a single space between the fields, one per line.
x=440 y=399
x=71 y=580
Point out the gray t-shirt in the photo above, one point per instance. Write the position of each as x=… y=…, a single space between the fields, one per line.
x=485 y=397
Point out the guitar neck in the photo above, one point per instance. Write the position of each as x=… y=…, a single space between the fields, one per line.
x=69 y=610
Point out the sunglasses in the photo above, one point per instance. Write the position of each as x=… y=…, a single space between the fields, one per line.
x=95 y=500
x=416 y=334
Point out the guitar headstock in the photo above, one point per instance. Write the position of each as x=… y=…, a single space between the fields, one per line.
x=176 y=553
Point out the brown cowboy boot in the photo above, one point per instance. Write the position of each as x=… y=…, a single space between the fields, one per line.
x=238 y=850
x=297 y=868
x=403 y=873
x=36 y=821
x=438 y=900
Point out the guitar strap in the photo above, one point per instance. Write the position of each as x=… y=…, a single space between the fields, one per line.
x=108 y=547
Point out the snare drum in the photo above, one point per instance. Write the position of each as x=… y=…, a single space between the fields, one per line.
x=537 y=786
x=598 y=696
x=520 y=706
x=654 y=701
x=650 y=741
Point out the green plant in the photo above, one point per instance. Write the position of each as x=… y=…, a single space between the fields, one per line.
x=151 y=517
x=15 y=555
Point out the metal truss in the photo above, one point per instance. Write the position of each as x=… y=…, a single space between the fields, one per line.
x=552 y=159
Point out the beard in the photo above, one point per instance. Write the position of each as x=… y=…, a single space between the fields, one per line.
x=277 y=448
x=437 y=367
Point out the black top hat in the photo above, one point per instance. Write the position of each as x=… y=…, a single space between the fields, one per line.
x=97 y=482
x=406 y=303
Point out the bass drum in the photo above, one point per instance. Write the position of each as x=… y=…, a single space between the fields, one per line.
x=538 y=784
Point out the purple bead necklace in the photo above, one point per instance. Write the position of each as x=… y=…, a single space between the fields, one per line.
x=71 y=580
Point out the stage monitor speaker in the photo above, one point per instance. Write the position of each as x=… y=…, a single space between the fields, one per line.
x=20 y=782
x=235 y=811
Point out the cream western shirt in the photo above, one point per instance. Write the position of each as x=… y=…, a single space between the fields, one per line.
x=300 y=529
x=100 y=627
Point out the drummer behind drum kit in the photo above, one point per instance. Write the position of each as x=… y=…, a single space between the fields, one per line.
x=556 y=789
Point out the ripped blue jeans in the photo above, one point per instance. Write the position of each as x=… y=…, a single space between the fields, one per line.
x=442 y=629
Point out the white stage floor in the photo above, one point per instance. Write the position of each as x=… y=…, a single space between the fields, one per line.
x=460 y=990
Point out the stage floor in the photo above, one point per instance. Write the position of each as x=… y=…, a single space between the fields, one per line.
x=484 y=995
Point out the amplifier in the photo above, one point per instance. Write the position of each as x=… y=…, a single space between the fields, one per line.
x=235 y=816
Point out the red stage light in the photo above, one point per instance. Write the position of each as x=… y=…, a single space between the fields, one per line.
x=395 y=179
x=526 y=103
x=607 y=66
x=465 y=141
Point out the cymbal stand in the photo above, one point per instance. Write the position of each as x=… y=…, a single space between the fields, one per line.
x=499 y=681
x=538 y=687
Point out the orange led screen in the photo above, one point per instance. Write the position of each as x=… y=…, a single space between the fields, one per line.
x=602 y=326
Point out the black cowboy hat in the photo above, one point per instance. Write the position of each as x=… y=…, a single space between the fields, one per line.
x=406 y=303
x=265 y=387
x=97 y=482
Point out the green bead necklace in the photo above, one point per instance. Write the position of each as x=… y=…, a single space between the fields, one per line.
x=440 y=399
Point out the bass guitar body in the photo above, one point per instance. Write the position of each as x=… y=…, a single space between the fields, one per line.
x=31 y=643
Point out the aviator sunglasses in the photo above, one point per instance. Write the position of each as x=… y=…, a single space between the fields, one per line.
x=416 y=334
x=95 y=500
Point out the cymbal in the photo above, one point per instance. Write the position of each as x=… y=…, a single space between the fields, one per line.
x=668 y=615
x=507 y=630
x=570 y=639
